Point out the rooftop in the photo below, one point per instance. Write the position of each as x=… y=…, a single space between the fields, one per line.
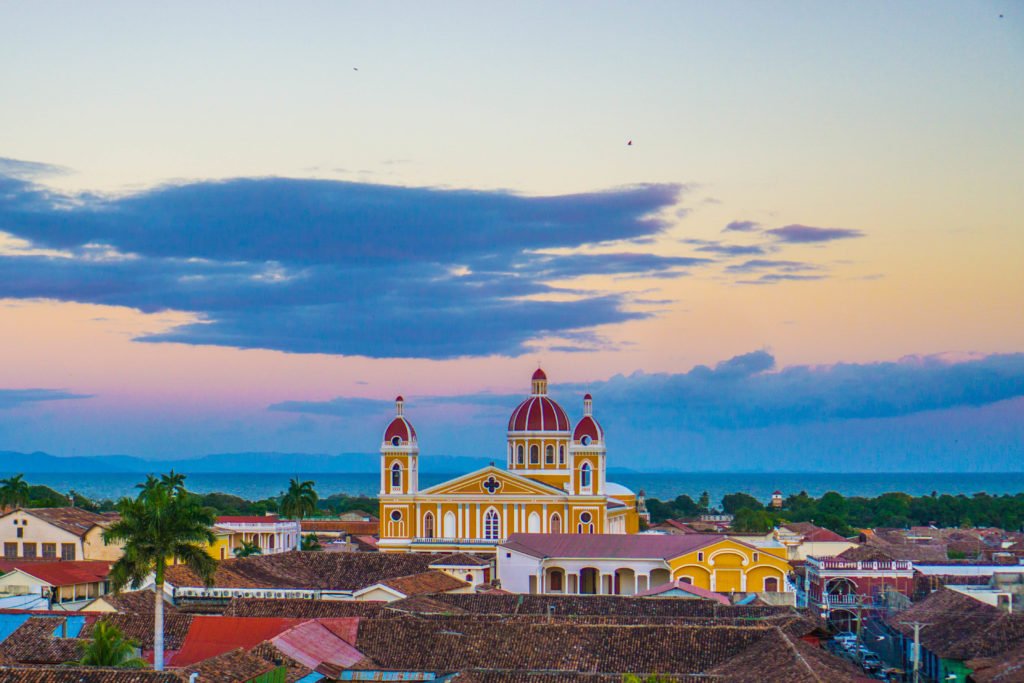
x=71 y=519
x=61 y=573
x=650 y=546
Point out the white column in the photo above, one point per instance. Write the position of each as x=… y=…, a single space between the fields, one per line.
x=545 y=523
x=504 y=520
x=479 y=517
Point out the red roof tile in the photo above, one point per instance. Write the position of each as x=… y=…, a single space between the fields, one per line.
x=609 y=545
x=312 y=644
x=686 y=588
x=248 y=519
x=61 y=573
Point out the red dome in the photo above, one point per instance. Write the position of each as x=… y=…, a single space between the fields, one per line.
x=539 y=374
x=401 y=428
x=588 y=426
x=588 y=397
x=538 y=414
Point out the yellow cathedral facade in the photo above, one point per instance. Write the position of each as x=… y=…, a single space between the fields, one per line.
x=554 y=482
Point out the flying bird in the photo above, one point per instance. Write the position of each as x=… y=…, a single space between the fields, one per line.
x=355 y=68
x=629 y=144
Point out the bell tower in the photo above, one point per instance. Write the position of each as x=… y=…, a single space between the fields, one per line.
x=399 y=455
x=587 y=453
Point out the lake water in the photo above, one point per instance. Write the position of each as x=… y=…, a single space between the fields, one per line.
x=663 y=485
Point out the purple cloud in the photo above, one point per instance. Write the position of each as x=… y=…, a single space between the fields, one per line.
x=742 y=226
x=804 y=234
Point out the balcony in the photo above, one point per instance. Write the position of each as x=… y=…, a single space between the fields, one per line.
x=835 y=564
x=458 y=541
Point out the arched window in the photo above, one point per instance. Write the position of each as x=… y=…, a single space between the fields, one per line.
x=555 y=581
x=519 y=455
x=396 y=477
x=428 y=525
x=491 y=525
x=585 y=476
x=556 y=523
x=771 y=585
x=561 y=455
x=549 y=455
x=449 y=525
x=586 y=525
x=270 y=542
x=533 y=523
x=535 y=454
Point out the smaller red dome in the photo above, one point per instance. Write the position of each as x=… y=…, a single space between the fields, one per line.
x=399 y=398
x=588 y=397
x=588 y=427
x=539 y=374
x=402 y=430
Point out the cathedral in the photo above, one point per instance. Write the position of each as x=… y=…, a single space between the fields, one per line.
x=554 y=483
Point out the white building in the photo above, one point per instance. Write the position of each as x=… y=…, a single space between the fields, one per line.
x=61 y=585
x=271 y=533
x=67 y=534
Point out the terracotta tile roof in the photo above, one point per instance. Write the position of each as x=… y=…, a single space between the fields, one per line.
x=865 y=553
x=609 y=545
x=34 y=643
x=366 y=542
x=211 y=636
x=960 y=627
x=424 y=604
x=778 y=657
x=293 y=670
x=236 y=666
x=685 y=587
x=66 y=674
x=301 y=609
x=73 y=520
x=63 y=573
x=461 y=560
x=314 y=571
x=431 y=581
x=814 y=533
x=490 y=676
x=139 y=627
x=414 y=644
x=355 y=528
x=135 y=602
x=1008 y=667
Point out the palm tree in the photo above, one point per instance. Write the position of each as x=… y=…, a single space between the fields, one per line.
x=14 y=491
x=175 y=482
x=109 y=647
x=247 y=549
x=298 y=502
x=159 y=524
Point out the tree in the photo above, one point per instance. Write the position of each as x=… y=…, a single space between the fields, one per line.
x=734 y=502
x=109 y=647
x=311 y=542
x=299 y=502
x=161 y=523
x=753 y=520
x=14 y=491
x=704 y=503
x=247 y=549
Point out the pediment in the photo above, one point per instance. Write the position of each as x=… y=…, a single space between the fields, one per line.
x=500 y=481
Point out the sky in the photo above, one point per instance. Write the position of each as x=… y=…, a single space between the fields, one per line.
x=763 y=235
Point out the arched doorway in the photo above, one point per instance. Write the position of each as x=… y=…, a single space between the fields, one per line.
x=624 y=582
x=556 y=580
x=428 y=525
x=588 y=581
x=449 y=525
x=556 y=523
x=659 y=577
x=533 y=523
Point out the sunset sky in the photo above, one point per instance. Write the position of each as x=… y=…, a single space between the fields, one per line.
x=239 y=227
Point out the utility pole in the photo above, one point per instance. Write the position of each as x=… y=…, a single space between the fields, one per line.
x=917 y=626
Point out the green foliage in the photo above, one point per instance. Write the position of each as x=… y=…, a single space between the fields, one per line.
x=14 y=491
x=339 y=503
x=311 y=543
x=247 y=549
x=653 y=678
x=704 y=504
x=299 y=502
x=734 y=502
x=109 y=647
x=956 y=554
x=754 y=520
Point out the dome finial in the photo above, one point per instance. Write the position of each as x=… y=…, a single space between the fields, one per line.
x=539 y=383
x=399 y=405
x=588 y=404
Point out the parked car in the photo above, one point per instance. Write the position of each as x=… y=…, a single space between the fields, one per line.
x=871 y=662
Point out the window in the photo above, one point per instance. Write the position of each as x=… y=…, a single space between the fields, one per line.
x=555 y=582
x=556 y=523
x=585 y=476
x=756 y=556
x=428 y=525
x=771 y=585
x=21 y=532
x=686 y=579
x=535 y=455
x=519 y=455
x=585 y=517
x=396 y=441
x=561 y=455
x=449 y=525
x=533 y=523
x=396 y=477
x=396 y=516
x=549 y=455
x=10 y=551
x=585 y=440
x=67 y=551
x=49 y=551
x=28 y=551
x=491 y=524
x=469 y=578
x=700 y=557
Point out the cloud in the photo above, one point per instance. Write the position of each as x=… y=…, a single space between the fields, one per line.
x=773 y=278
x=763 y=264
x=320 y=266
x=803 y=234
x=742 y=226
x=747 y=392
x=15 y=398
x=15 y=168
x=715 y=247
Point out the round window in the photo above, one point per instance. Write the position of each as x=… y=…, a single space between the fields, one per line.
x=585 y=440
x=396 y=516
x=585 y=517
x=396 y=441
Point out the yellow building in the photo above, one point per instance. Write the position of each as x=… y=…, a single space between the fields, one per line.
x=639 y=563
x=554 y=483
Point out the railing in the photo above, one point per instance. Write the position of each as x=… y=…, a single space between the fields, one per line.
x=866 y=565
x=264 y=527
x=459 y=541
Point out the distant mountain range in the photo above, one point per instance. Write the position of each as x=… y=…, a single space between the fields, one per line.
x=258 y=463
